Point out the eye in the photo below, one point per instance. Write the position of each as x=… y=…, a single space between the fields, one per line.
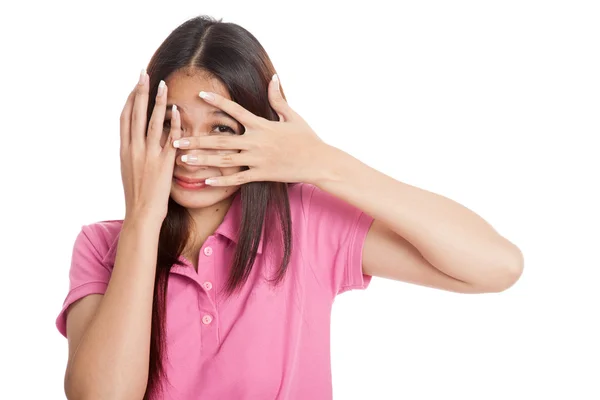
x=223 y=129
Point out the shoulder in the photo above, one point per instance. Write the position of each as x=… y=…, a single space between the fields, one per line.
x=101 y=237
x=316 y=204
x=300 y=194
x=304 y=195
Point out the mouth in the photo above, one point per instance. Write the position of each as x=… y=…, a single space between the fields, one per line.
x=189 y=183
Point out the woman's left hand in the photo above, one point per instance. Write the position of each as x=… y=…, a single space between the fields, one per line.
x=284 y=151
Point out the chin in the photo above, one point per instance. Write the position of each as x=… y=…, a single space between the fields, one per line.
x=202 y=198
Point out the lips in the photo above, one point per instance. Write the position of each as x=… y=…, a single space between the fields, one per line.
x=189 y=180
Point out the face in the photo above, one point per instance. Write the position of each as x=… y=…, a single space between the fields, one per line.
x=198 y=118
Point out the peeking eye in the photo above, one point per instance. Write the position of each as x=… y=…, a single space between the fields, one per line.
x=224 y=129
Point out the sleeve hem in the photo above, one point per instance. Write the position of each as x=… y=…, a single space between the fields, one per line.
x=74 y=295
x=355 y=277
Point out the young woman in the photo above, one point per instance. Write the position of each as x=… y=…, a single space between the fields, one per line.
x=241 y=227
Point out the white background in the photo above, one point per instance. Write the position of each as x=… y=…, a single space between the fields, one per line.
x=492 y=103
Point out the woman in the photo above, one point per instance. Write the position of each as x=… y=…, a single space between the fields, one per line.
x=241 y=227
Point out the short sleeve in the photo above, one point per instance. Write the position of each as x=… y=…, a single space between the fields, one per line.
x=88 y=274
x=336 y=232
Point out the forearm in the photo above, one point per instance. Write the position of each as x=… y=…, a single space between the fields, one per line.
x=112 y=359
x=449 y=236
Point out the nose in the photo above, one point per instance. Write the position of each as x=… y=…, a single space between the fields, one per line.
x=193 y=168
x=188 y=167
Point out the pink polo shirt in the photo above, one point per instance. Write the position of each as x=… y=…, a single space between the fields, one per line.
x=264 y=342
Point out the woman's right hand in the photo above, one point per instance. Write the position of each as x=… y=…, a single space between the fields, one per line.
x=146 y=166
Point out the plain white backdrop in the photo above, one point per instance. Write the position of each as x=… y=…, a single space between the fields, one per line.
x=494 y=104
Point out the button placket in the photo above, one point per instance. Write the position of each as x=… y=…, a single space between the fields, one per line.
x=206 y=303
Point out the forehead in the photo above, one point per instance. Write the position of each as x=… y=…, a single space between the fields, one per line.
x=185 y=85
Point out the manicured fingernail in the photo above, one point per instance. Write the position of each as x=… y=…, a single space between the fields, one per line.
x=180 y=143
x=207 y=96
x=276 y=80
x=173 y=109
x=189 y=158
x=161 y=89
x=210 y=181
x=142 y=77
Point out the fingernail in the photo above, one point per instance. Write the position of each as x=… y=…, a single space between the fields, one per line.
x=210 y=181
x=142 y=77
x=207 y=96
x=189 y=158
x=181 y=143
x=161 y=89
x=276 y=80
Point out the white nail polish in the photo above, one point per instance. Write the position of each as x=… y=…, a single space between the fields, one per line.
x=161 y=88
x=206 y=96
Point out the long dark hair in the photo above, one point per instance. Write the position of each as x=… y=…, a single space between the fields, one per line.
x=233 y=55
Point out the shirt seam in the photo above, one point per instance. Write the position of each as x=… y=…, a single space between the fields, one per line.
x=98 y=255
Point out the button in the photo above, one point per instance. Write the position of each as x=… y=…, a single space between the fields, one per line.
x=208 y=250
x=207 y=319
x=207 y=285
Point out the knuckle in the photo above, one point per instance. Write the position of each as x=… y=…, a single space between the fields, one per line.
x=227 y=160
x=155 y=125
x=221 y=142
x=141 y=90
x=239 y=179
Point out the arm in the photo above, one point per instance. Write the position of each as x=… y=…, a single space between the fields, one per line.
x=109 y=335
x=419 y=236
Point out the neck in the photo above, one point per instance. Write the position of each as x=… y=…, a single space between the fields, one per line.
x=205 y=222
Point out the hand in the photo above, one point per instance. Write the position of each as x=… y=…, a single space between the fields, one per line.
x=284 y=151
x=146 y=166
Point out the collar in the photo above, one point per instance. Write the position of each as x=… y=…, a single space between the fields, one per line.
x=231 y=223
x=228 y=228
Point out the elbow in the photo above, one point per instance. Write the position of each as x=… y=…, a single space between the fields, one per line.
x=77 y=388
x=509 y=273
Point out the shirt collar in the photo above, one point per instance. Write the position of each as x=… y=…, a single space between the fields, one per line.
x=231 y=223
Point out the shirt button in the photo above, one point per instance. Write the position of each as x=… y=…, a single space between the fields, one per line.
x=208 y=250
x=207 y=319
x=207 y=285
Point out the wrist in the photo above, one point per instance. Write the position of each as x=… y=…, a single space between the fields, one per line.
x=142 y=220
x=330 y=167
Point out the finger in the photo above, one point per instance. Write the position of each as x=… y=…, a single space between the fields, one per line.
x=236 y=111
x=277 y=101
x=237 y=142
x=126 y=121
x=233 y=180
x=157 y=120
x=174 y=133
x=139 y=112
x=222 y=160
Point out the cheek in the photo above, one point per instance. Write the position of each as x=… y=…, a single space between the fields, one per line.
x=230 y=170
